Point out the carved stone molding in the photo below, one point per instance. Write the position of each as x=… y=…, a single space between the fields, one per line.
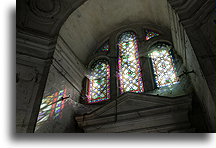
x=35 y=46
x=45 y=9
x=144 y=112
x=44 y=17
x=200 y=16
x=176 y=3
x=192 y=13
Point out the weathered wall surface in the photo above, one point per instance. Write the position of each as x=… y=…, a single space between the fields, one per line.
x=56 y=82
x=184 y=48
x=44 y=18
x=209 y=32
x=66 y=72
x=38 y=24
x=33 y=62
x=88 y=25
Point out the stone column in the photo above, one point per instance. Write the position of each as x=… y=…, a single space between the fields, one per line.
x=33 y=60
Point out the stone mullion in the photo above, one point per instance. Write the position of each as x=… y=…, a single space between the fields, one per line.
x=113 y=62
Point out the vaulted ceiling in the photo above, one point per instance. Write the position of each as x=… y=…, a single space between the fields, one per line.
x=82 y=24
x=95 y=19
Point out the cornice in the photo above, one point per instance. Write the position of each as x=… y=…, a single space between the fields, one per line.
x=35 y=46
x=44 y=18
x=200 y=16
x=192 y=13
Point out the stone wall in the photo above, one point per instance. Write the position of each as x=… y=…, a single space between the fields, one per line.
x=183 y=46
x=37 y=27
x=56 y=82
x=33 y=59
x=66 y=72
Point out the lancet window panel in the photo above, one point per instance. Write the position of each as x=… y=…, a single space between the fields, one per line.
x=163 y=65
x=99 y=82
x=129 y=64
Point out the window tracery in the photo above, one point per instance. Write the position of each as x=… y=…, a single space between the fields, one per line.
x=150 y=34
x=129 y=69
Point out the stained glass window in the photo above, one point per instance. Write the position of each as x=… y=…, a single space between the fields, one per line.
x=150 y=34
x=129 y=64
x=105 y=46
x=163 y=65
x=99 y=82
x=51 y=107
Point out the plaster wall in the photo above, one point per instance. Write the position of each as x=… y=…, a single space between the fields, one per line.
x=88 y=25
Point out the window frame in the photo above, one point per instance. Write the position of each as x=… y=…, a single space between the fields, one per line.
x=171 y=53
x=88 y=82
x=138 y=60
x=143 y=49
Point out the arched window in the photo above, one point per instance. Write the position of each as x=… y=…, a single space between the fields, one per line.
x=130 y=76
x=129 y=64
x=163 y=65
x=99 y=82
